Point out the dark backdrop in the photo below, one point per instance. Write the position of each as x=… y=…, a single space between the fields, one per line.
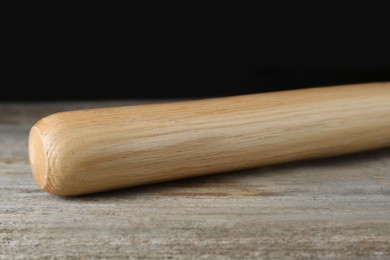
x=104 y=82
x=119 y=58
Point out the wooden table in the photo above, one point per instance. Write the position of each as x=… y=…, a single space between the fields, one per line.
x=329 y=208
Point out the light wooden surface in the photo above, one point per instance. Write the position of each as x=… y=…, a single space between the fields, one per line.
x=329 y=208
x=93 y=150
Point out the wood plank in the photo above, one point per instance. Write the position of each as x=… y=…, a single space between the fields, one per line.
x=330 y=208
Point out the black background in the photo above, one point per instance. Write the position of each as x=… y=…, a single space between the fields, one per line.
x=128 y=57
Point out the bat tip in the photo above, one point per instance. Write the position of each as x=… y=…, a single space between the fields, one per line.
x=37 y=157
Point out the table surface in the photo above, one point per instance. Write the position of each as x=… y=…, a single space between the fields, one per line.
x=329 y=208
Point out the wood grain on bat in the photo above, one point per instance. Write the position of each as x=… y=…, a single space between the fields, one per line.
x=86 y=151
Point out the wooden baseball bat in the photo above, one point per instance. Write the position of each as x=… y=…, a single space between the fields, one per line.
x=86 y=151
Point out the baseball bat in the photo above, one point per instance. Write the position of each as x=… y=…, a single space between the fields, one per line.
x=93 y=150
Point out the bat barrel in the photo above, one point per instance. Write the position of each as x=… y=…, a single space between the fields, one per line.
x=86 y=151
